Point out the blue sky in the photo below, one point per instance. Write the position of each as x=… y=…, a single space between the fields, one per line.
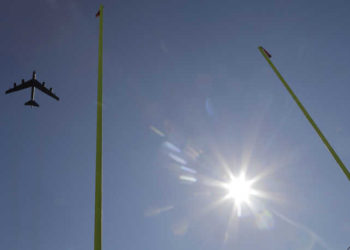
x=186 y=92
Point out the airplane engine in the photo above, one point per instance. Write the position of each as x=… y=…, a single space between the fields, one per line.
x=14 y=85
x=22 y=81
x=50 y=89
x=43 y=83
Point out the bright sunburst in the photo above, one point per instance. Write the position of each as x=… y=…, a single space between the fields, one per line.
x=239 y=189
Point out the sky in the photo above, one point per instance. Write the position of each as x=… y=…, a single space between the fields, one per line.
x=188 y=99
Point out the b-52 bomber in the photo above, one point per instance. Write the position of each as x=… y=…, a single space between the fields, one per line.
x=33 y=83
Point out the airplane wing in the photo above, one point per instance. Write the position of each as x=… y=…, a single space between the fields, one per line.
x=24 y=85
x=41 y=87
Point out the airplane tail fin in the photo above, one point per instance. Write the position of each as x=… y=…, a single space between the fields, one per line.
x=32 y=103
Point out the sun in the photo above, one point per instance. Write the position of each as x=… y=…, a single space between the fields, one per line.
x=239 y=190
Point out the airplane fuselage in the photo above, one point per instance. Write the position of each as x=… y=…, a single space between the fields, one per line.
x=33 y=92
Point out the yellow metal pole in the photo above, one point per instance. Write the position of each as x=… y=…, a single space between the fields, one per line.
x=98 y=183
x=307 y=115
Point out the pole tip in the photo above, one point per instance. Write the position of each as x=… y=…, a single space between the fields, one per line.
x=262 y=50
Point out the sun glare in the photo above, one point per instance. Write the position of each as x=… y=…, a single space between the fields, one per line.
x=239 y=190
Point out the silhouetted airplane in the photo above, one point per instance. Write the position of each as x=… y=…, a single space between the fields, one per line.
x=33 y=83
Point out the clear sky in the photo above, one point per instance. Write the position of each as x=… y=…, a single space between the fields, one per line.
x=187 y=97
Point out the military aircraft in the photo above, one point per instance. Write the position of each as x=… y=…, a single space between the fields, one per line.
x=33 y=83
